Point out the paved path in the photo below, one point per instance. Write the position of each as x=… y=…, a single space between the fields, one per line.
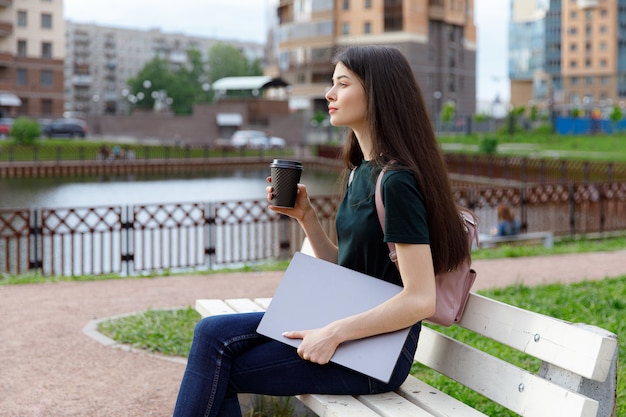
x=50 y=367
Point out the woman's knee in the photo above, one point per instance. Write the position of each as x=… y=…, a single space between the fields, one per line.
x=226 y=326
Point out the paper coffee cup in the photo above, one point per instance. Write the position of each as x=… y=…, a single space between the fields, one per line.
x=285 y=178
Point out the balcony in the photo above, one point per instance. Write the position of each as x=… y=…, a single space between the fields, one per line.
x=587 y=4
x=82 y=80
x=6 y=29
x=6 y=59
x=436 y=9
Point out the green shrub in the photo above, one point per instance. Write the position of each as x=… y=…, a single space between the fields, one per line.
x=25 y=131
x=488 y=145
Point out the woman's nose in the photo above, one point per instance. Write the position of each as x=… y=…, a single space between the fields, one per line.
x=330 y=94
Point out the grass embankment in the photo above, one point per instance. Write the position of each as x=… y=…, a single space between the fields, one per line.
x=608 y=148
x=91 y=150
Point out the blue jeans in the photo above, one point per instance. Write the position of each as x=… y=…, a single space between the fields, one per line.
x=228 y=357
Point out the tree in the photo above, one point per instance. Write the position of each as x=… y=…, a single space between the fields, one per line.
x=616 y=117
x=448 y=111
x=226 y=60
x=188 y=84
x=154 y=76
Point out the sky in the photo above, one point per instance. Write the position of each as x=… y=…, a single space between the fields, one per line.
x=248 y=20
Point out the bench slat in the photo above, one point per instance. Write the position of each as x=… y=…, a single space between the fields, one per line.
x=546 y=238
x=263 y=302
x=244 y=305
x=518 y=390
x=336 y=405
x=570 y=347
x=435 y=401
x=393 y=405
x=213 y=307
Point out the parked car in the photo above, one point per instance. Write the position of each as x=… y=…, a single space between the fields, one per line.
x=256 y=139
x=5 y=127
x=65 y=128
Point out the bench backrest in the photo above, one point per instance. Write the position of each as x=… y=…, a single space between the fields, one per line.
x=578 y=375
x=571 y=356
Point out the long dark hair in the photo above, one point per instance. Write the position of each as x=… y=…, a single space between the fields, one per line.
x=401 y=131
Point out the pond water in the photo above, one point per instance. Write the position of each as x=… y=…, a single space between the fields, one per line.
x=235 y=184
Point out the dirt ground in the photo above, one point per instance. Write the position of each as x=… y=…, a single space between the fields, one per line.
x=52 y=363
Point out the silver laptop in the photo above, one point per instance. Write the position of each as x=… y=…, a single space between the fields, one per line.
x=314 y=292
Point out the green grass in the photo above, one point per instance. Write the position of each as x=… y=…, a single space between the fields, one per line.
x=72 y=149
x=37 y=278
x=575 y=147
x=168 y=332
x=562 y=246
x=600 y=303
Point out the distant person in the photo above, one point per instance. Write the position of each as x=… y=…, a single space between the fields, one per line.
x=508 y=224
x=104 y=153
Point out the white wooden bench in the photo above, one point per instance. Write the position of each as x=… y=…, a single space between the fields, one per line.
x=577 y=377
x=545 y=238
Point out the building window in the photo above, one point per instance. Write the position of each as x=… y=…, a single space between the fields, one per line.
x=604 y=80
x=367 y=27
x=572 y=64
x=22 y=76
x=22 y=18
x=393 y=20
x=346 y=4
x=345 y=29
x=573 y=47
x=22 y=48
x=46 y=50
x=589 y=80
x=587 y=62
x=46 y=106
x=451 y=33
x=47 y=78
x=46 y=21
x=367 y=4
x=603 y=63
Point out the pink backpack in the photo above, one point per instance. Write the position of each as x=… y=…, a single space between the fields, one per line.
x=453 y=287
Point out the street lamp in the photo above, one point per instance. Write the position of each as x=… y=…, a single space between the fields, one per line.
x=437 y=96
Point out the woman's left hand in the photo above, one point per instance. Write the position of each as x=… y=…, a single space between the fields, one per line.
x=317 y=345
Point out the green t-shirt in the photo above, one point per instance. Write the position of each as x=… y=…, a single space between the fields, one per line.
x=361 y=242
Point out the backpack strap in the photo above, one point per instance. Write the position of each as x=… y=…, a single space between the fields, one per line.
x=470 y=222
x=380 y=210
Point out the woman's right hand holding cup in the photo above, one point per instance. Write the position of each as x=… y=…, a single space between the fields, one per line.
x=301 y=207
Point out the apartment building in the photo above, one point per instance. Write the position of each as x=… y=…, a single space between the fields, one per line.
x=32 y=48
x=437 y=36
x=100 y=59
x=577 y=58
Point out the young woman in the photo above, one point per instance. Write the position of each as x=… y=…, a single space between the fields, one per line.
x=375 y=95
x=508 y=224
